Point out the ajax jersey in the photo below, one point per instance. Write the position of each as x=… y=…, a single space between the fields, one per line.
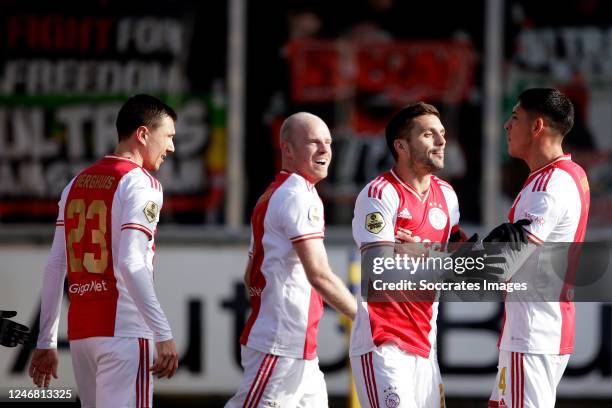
x=385 y=206
x=286 y=308
x=113 y=194
x=556 y=200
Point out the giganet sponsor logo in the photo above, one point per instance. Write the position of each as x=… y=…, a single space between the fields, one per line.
x=81 y=289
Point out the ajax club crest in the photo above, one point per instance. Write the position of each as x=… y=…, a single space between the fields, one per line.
x=392 y=400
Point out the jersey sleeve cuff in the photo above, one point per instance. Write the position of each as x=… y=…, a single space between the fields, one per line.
x=306 y=237
x=369 y=245
x=46 y=344
x=157 y=337
x=138 y=227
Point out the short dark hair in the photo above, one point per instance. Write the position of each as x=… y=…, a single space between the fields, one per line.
x=550 y=103
x=401 y=123
x=141 y=110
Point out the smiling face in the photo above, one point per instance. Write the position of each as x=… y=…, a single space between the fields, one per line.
x=518 y=132
x=158 y=144
x=307 y=150
x=423 y=148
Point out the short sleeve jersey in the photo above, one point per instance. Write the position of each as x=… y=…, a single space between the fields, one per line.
x=556 y=199
x=286 y=308
x=113 y=194
x=385 y=206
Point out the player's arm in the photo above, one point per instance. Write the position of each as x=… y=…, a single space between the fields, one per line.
x=52 y=291
x=301 y=219
x=542 y=211
x=45 y=358
x=374 y=231
x=141 y=204
x=140 y=214
x=135 y=270
x=133 y=265
x=313 y=256
x=374 y=219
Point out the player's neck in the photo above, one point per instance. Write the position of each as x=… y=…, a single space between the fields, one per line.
x=543 y=155
x=420 y=182
x=124 y=149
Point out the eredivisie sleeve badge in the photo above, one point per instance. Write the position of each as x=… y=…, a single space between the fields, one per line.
x=151 y=211
x=374 y=222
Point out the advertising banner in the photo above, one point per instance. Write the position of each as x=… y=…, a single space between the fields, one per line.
x=201 y=292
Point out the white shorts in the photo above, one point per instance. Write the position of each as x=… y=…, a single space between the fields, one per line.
x=390 y=377
x=274 y=381
x=527 y=380
x=113 y=371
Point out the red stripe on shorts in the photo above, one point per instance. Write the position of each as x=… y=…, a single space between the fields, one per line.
x=146 y=373
x=522 y=380
x=255 y=382
x=373 y=380
x=138 y=375
x=366 y=374
x=265 y=383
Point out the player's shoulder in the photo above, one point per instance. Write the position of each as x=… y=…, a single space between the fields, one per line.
x=565 y=163
x=554 y=180
x=68 y=187
x=294 y=186
x=147 y=178
x=64 y=196
x=557 y=177
x=568 y=171
x=141 y=178
x=292 y=192
x=379 y=189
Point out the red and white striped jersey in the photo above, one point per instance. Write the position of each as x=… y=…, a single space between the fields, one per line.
x=383 y=207
x=286 y=308
x=112 y=195
x=556 y=199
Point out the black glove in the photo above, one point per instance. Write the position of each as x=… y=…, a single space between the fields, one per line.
x=488 y=256
x=12 y=333
x=514 y=234
x=458 y=236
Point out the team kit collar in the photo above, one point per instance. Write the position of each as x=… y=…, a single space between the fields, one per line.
x=558 y=159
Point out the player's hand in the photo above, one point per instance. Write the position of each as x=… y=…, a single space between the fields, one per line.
x=489 y=256
x=166 y=359
x=402 y=237
x=458 y=236
x=43 y=365
x=12 y=333
x=406 y=244
x=456 y=239
x=514 y=233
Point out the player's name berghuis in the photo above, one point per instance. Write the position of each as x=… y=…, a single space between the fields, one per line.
x=94 y=181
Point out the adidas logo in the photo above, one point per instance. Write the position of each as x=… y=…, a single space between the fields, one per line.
x=405 y=214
